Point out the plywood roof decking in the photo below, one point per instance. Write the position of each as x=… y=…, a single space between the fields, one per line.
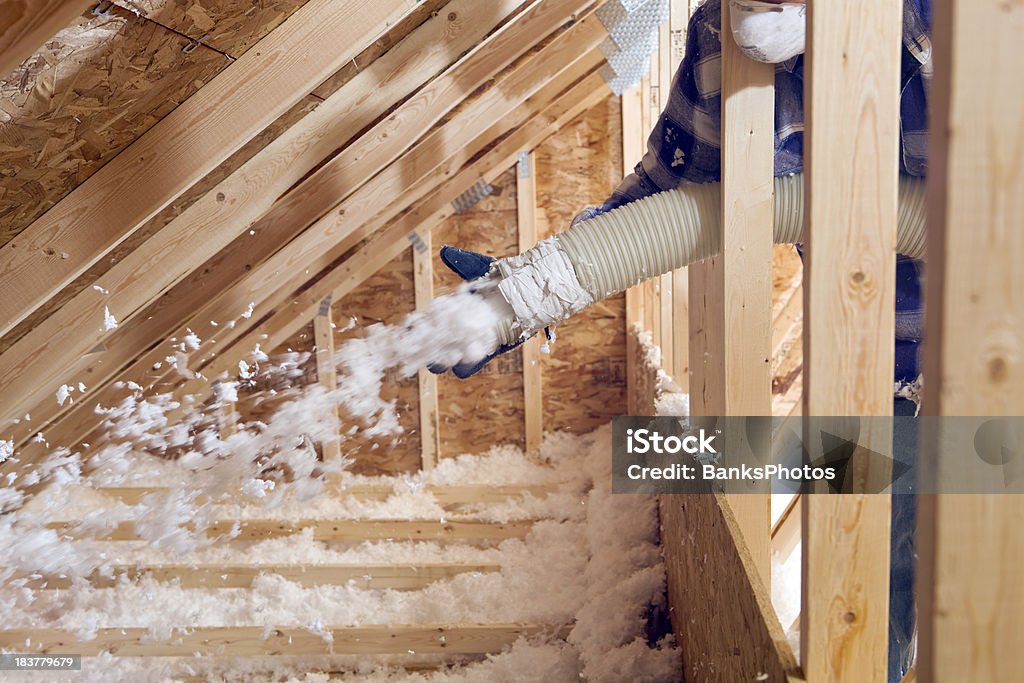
x=288 y=119
x=384 y=297
x=103 y=81
x=544 y=67
x=88 y=93
x=27 y=24
x=228 y=26
x=585 y=374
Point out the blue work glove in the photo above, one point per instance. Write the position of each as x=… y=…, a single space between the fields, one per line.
x=469 y=266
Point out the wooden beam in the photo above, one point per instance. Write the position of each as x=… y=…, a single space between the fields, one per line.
x=460 y=531
x=679 y=16
x=183 y=147
x=970 y=580
x=27 y=24
x=851 y=166
x=558 y=108
x=681 y=328
x=326 y=370
x=248 y=641
x=572 y=53
x=392 y=241
x=450 y=497
x=423 y=277
x=730 y=340
x=526 y=217
x=632 y=151
x=662 y=284
x=332 y=183
x=741 y=288
x=269 y=174
x=367 y=577
x=730 y=612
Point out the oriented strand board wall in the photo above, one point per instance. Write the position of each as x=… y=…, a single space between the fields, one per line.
x=584 y=377
x=384 y=298
x=486 y=409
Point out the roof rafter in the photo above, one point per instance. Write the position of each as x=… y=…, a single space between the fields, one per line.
x=183 y=147
x=558 y=109
x=393 y=241
x=81 y=418
x=411 y=178
x=232 y=206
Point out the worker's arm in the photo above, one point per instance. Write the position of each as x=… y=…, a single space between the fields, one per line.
x=683 y=147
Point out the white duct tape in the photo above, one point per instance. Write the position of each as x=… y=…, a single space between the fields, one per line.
x=541 y=286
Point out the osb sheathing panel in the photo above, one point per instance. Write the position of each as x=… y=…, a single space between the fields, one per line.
x=487 y=408
x=385 y=297
x=88 y=93
x=260 y=399
x=229 y=26
x=245 y=251
x=584 y=377
x=155 y=224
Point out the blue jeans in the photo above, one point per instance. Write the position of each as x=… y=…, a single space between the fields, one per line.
x=902 y=555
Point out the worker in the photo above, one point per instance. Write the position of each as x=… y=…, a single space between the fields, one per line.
x=676 y=182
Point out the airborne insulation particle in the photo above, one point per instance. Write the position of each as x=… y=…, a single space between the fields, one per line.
x=109 y=321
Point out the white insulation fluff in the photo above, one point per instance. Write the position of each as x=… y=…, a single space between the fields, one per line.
x=590 y=560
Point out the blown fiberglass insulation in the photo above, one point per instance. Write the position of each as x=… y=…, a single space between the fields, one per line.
x=249 y=463
x=592 y=560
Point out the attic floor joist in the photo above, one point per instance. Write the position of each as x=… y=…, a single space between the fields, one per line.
x=186 y=145
x=463 y=531
x=254 y=640
x=368 y=577
x=244 y=190
x=449 y=497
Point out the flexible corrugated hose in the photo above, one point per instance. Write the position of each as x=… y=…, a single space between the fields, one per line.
x=655 y=235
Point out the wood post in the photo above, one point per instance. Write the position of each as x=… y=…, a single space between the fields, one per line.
x=970 y=547
x=423 y=276
x=326 y=371
x=678 y=283
x=526 y=214
x=736 y=370
x=632 y=150
x=852 y=96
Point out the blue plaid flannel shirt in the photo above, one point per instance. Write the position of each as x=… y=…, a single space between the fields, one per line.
x=684 y=146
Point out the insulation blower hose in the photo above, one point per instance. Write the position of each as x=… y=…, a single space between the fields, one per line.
x=605 y=255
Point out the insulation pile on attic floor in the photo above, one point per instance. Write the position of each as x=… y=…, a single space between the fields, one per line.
x=586 y=568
